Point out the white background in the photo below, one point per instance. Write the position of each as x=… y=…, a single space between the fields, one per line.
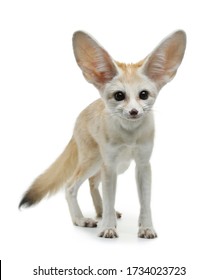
x=42 y=91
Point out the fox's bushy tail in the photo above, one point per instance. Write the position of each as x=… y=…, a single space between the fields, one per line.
x=54 y=177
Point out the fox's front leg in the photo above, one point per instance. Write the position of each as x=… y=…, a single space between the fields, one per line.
x=108 y=226
x=143 y=178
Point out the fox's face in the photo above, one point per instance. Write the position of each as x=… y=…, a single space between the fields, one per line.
x=130 y=94
x=129 y=90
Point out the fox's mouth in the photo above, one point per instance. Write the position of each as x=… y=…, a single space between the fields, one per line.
x=133 y=117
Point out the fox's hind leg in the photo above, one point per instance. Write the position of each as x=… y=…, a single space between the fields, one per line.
x=82 y=173
x=94 y=182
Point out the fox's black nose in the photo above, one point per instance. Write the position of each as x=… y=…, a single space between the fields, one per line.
x=133 y=112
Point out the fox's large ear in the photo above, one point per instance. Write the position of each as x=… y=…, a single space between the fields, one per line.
x=161 y=65
x=96 y=64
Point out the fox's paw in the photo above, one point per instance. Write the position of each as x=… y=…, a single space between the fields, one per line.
x=85 y=222
x=108 y=233
x=148 y=233
x=118 y=215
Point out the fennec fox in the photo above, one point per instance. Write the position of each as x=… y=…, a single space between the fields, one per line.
x=112 y=131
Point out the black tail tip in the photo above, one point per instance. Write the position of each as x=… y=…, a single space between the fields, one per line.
x=25 y=202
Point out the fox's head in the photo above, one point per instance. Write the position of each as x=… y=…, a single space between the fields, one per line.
x=129 y=90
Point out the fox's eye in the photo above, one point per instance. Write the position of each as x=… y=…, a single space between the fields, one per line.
x=144 y=94
x=119 y=96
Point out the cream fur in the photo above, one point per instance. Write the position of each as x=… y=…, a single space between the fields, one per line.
x=110 y=133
